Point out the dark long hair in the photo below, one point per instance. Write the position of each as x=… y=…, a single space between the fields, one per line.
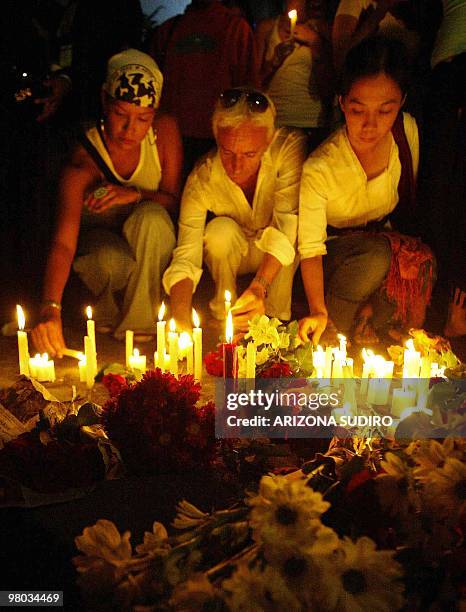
x=376 y=55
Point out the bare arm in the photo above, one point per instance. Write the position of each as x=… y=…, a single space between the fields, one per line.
x=77 y=177
x=313 y=279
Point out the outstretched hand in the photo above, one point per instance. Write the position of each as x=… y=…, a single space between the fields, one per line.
x=250 y=303
x=47 y=336
x=312 y=327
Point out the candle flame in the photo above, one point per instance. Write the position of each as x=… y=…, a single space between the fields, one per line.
x=319 y=349
x=184 y=341
x=45 y=356
x=229 y=328
x=136 y=353
x=410 y=345
x=367 y=354
x=196 y=320
x=227 y=296
x=293 y=14
x=20 y=315
x=37 y=356
x=161 y=311
x=172 y=325
x=89 y=312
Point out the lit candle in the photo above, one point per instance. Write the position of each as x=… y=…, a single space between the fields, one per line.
x=379 y=386
x=251 y=361
x=411 y=361
x=23 y=349
x=424 y=381
x=42 y=368
x=227 y=302
x=197 y=339
x=88 y=352
x=328 y=363
x=137 y=361
x=186 y=345
x=348 y=368
x=173 y=347
x=82 y=368
x=318 y=360
x=129 y=346
x=402 y=398
x=92 y=357
x=293 y=16
x=230 y=354
x=368 y=357
x=343 y=344
x=161 y=324
x=337 y=370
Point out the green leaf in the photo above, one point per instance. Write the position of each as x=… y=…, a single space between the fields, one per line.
x=303 y=356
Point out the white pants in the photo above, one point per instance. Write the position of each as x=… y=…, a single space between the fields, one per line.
x=132 y=261
x=227 y=253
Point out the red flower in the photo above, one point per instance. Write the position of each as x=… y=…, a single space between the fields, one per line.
x=214 y=363
x=277 y=370
x=358 y=479
x=114 y=383
x=157 y=426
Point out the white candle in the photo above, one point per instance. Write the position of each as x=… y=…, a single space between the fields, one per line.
x=227 y=302
x=368 y=357
x=293 y=16
x=42 y=368
x=173 y=347
x=328 y=362
x=411 y=361
x=129 y=346
x=318 y=361
x=137 y=361
x=251 y=361
x=23 y=349
x=402 y=398
x=348 y=368
x=197 y=339
x=91 y=333
x=424 y=381
x=161 y=325
x=88 y=352
x=343 y=344
x=379 y=386
x=337 y=370
x=82 y=368
x=186 y=346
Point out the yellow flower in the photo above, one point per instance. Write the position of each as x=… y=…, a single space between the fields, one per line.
x=430 y=454
x=395 y=488
x=360 y=578
x=445 y=488
x=284 y=510
x=252 y=590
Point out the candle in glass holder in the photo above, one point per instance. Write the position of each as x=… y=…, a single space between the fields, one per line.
x=197 y=339
x=161 y=325
x=23 y=349
x=173 y=347
x=293 y=16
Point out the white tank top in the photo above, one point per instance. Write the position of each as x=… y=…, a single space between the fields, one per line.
x=147 y=175
x=289 y=87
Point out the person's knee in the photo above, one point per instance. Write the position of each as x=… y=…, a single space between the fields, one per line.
x=377 y=257
x=113 y=262
x=221 y=237
x=150 y=220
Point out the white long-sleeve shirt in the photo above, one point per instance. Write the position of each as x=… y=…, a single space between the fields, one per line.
x=272 y=220
x=335 y=190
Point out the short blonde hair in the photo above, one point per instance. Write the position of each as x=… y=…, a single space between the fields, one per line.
x=240 y=113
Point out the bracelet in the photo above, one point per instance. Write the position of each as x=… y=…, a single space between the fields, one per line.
x=138 y=201
x=264 y=283
x=52 y=304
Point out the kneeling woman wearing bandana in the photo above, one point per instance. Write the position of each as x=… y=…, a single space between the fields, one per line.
x=115 y=197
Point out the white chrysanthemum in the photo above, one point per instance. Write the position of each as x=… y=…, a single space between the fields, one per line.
x=445 y=488
x=360 y=578
x=430 y=454
x=395 y=488
x=155 y=540
x=104 y=541
x=252 y=590
x=284 y=510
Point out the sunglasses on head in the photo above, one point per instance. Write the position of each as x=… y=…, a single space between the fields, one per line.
x=256 y=101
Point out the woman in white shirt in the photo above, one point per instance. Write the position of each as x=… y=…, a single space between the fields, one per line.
x=349 y=187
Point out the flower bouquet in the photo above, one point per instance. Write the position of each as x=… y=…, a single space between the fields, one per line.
x=158 y=427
